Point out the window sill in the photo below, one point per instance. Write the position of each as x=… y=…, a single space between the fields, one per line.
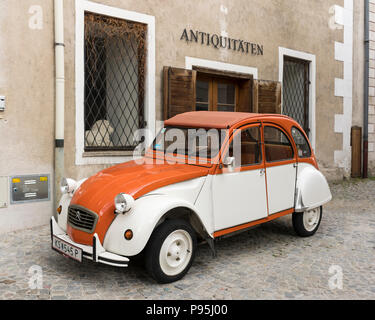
x=95 y=154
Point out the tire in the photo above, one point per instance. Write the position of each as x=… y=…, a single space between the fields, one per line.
x=171 y=251
x=307 y=223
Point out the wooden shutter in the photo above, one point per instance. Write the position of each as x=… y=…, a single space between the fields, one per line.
x=245 y=103
x=179 y=91
x=267 y=96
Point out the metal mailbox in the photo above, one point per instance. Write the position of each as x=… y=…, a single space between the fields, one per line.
x=30 y=188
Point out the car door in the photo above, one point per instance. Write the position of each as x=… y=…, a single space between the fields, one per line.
x=239 y=196
x=281 y=169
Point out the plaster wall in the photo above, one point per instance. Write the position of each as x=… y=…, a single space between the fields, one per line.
x=297 y=25
x=27 y=82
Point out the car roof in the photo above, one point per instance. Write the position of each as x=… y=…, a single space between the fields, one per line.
x=216 y=119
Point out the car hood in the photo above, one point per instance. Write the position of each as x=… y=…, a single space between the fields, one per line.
x=98 y=192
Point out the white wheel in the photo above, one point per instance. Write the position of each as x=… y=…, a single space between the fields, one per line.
x=307 y=223
x=311 y=219
x=170 y=251
x=176 y=252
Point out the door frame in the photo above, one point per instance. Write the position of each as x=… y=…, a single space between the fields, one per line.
x=279 y=163
x=220 y=170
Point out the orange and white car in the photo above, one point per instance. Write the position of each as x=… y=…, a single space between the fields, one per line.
x=206 y=176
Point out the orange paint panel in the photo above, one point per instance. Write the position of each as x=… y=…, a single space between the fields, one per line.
x=219 y=120
x=208 y=119
x=252 y=224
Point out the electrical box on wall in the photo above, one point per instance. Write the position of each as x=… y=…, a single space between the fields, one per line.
x=29 y=188
x=2 y=103
x=4 y=192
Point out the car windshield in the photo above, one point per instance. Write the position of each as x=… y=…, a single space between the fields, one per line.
x=191 y=142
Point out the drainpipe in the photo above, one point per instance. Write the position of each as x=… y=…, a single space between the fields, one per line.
x=60 y=95
x=366 y=90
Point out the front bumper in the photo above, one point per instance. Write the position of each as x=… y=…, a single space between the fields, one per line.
x=96 y=252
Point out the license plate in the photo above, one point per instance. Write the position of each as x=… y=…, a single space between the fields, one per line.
x=67 y=249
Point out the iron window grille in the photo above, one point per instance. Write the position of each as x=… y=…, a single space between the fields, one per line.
x=296 y=91
x=115 y=63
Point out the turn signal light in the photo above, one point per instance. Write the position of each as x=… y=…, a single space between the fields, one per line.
x=59 y=210
x=128 y=235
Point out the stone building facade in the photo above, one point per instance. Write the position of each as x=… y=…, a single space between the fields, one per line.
x=310 y=52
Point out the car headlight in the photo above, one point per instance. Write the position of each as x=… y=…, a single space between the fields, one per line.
x=123 y=203
x=68 y=186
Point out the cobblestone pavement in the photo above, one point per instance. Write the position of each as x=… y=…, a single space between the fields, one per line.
x=268 y=262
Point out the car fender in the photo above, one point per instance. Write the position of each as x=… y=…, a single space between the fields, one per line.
x=312 y=189
x=142 y=220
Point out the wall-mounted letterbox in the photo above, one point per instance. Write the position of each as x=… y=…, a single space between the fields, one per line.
x=30 y=188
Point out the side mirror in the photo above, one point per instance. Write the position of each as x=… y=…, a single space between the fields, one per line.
x=229 y=163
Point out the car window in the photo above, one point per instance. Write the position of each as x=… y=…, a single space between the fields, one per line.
x=277 y=145
x=250 y=151
x=303 y=147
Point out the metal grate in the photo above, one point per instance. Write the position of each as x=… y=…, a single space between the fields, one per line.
x=82 y=219
x=115 y=61
x=296 y=91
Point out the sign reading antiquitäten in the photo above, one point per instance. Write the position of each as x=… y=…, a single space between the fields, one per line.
x=221 y=42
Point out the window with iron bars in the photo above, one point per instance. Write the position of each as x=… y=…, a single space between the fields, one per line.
x=115 y=63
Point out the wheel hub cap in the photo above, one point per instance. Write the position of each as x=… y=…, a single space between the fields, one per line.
x=311 y=219
x=176 y=252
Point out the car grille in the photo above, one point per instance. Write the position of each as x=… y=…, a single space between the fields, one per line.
x=82 y=219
